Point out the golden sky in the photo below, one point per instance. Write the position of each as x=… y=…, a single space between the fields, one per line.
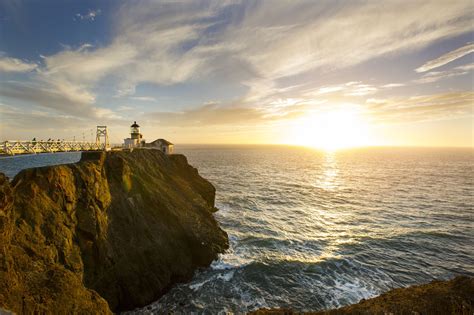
x=323 y=74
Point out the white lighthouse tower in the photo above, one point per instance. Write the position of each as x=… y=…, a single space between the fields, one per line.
x=136 y=138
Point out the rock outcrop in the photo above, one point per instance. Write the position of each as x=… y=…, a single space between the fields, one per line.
x=111 y=232
x=454 y=297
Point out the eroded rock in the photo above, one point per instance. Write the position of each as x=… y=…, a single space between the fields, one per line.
x=111 y=232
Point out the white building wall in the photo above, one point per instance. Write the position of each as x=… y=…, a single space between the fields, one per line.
x=130 y=143
x=165 y=148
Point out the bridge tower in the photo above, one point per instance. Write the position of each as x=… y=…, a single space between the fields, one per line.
x=102 y=137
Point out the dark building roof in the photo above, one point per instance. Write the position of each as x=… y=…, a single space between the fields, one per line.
x=135 y=125
x=162 y=141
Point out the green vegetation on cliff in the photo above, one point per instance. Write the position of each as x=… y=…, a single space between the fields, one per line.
x=111 y=232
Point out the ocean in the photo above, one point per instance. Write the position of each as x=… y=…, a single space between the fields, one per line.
x=312 y=230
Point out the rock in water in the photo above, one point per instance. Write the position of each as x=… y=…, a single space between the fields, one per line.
x=116 y=228
x=453 y=297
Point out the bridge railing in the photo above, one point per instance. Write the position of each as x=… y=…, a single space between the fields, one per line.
x=12 y=147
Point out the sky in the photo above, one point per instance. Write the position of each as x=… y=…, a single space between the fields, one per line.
x=349 y=73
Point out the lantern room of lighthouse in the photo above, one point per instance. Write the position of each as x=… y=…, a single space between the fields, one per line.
x=135 y=131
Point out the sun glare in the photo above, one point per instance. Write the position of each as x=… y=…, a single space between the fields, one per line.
x=343 y=128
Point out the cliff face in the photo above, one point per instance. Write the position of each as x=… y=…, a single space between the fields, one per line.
x=117 y=227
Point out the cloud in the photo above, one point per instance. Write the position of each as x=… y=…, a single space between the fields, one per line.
x=210 y=114
x=147 y=47
x=434 y=76
x=143 y=98
x=62 y=98
x=256 y=47
x=342 y=37
x=64 y=101
x=26 y=123
x=83 y=66
x=174 y=42
x=213 y=113
x=447 y=58
x=375 y=101
x=330 y=89
x=125 y=108
x=361 y=90
x=8 y=64
x=441 y=106
x=392 y=85
x=467 y=67
x=89 y=16
x=353 y=88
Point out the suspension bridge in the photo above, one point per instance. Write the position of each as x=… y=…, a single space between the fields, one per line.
x=14 y=147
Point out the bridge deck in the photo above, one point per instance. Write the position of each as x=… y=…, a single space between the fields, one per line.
x=33 y=147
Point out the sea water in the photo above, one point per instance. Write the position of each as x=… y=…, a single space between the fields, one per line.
x=313 y=230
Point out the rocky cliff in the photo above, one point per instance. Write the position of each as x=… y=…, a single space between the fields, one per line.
x=454 y=297
x=111 y=232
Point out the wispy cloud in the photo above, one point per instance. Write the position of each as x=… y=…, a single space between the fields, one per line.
x=361 y=90
x=29 y=121
x=125 y=108
x=434 y=76
x=177 y=42
x=210 y=115
x=446 y=58
x=62 y=98
x=352 y=88
x=8 y=64
x=84 y=66
x=441 y=106
x=91 y=15
x=143 y=98
x=422 y=108
x=393 y=85
x=330 y=89
x=343 y=37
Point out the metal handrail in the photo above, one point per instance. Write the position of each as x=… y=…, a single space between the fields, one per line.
x=12 y=147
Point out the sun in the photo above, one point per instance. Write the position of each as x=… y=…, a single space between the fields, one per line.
x=332 y=130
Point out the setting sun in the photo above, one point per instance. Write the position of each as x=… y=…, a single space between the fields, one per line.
x=332 y=130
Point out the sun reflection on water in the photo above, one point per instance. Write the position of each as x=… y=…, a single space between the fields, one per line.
x=329 y=179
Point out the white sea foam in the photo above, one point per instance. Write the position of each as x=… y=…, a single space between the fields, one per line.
x=226 y=276
x=197 y=286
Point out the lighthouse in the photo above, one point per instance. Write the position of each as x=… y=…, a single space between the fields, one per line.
x=135 y=131
x=136 y=138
